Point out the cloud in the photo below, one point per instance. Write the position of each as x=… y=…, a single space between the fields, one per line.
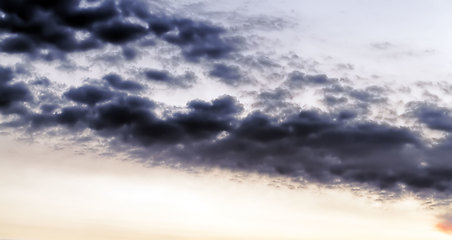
x=316 y=146
x=276 y=101
x=53 y=29
x=116 y=81
x=298 y=79
x=70 y=115
x=129 y=53
x=278 y=138
x=334 y=147
x=336 y=93
x=161 y=76
x=118 y=32
x=43 y=81
x=6 y=75
x=12 y=95
x=432 y=116
x=88 y=95
x=197 y=39
x=333 y=100
x=369 y=94
x=228 y=74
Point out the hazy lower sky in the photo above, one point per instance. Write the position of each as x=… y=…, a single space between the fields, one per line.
x=124 y=119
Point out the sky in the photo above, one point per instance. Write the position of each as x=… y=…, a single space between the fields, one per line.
x=140 y=119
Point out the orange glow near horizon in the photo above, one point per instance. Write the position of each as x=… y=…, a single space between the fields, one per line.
x=445 y=227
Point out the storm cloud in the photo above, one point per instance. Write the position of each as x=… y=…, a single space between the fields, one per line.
x=12 y=95
x=162 y=76
x=433 y=117
x=298 y=79
x=275 y=135
x=322 y=147
x=230 y=75
x=116 y=81
x=52 y=29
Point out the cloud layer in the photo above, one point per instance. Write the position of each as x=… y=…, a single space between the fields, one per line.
x=334 y=146
x=52 y=29
x=316 y=146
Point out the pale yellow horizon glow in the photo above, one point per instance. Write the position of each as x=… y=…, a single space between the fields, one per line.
x=58 y=195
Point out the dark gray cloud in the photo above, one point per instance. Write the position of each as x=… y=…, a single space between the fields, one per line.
x=433 y=117
x=298 y=79
x=12 y=95
x=42 y=81
x=336 y=147
x=6 y=75
x=116 y=81
x=370 y=94
x=276 y=102
x=162 y=76
x=129 y=53
x=157 y=75
x=132 y=119
x=328 y=148
x=69 y=116
x=88 y=95
x=228 y=74
x=334 y=101
x=341 y=93
x=49 y=29
x=346 y=115
x=197 y=39
x=117 y=32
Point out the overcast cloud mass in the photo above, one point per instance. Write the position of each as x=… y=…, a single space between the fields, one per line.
x=269 y=112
